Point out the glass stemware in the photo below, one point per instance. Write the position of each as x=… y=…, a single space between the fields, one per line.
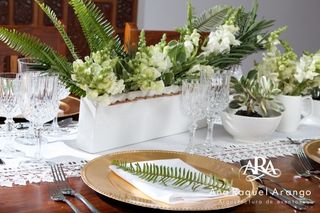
x=38 y=99
x=217 y=99
x=54 y=129
x=9 y=109
x=193 y=98
x=27 y=65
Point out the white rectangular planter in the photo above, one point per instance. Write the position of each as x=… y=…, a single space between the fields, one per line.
x=106 y=127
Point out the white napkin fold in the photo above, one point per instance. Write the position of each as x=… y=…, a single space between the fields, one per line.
x=168 y=194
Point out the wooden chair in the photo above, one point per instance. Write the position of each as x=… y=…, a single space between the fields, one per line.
x=131 y=36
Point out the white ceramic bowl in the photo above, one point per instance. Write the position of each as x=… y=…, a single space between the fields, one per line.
x=249 y=129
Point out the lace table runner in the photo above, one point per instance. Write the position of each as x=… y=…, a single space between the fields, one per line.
x=34 y=174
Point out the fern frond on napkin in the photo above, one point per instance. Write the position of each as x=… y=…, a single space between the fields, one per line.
x=174 y=176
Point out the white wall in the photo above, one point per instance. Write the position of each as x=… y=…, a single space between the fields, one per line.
x=301 y=16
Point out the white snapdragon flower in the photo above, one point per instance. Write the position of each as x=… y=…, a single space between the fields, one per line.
x=221 y=40
x=306 y=69
x=159 y=59
x=191 y=42
x=188 y=45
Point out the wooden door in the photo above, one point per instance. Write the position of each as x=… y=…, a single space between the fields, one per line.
x=25 y=16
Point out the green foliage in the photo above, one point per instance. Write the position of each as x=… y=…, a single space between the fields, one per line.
x=249 y=30
x=178 y=177
x=31 y=46
x=60 y=27
x=254 y=94
x=210 y=18
x=97 y=30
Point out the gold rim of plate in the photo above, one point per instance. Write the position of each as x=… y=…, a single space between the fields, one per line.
x=312 y=150
x=97 y=175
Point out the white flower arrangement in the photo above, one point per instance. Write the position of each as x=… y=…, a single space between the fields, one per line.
x=96 y=76
x=110 y=70
x=292 y=75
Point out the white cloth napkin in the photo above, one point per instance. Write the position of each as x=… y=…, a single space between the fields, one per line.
x=168 y=194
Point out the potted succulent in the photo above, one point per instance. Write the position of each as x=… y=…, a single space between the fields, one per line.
x=253 y=112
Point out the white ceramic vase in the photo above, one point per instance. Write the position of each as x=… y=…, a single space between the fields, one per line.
x=297 y=108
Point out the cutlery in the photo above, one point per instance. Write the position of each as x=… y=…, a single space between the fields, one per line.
x=286 y=199
x=290 y=192
x=302 y=172
x=60 y=178
x=306 y=163
x=56 y=195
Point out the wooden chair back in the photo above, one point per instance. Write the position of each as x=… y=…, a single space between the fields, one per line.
x=131 y=36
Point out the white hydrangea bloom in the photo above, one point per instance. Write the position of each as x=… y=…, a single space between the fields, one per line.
x=221 y=40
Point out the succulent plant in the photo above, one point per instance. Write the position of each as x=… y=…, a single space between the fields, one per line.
x=254 y=95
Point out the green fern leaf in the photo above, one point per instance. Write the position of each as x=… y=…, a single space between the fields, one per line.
x=31 y=46
x=60 y=27
x=173 y=176
x=210 y=19
x=98 y=31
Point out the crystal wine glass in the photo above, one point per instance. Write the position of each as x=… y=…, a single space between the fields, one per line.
x=9 y=109
x=38 y=99
x=54 y=129
x=27 y=65
x=193 y=104
x=217 y=99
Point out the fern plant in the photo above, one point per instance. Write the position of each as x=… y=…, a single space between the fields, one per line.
x=97 y=30
x=174 y=176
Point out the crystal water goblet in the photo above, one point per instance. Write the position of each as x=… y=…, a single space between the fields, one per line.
x=37 y=100
x=9 y=109
x=217 y=99
x=193 y=97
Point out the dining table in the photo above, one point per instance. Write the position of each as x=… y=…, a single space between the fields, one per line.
x=34 y=197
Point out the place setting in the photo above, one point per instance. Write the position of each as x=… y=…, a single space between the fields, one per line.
x=112 y=120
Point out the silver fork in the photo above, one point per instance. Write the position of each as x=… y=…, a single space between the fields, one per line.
x=302 y=172
x=56 y=195
x=305 y=162
x=60 y=178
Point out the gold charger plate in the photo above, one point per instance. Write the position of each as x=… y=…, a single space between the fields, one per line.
x=312 y=150
x=69 y=106
x=97 y=175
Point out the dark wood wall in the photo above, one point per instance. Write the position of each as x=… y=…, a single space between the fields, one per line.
x=25 y=16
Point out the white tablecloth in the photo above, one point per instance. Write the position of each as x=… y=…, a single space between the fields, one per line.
x=64 y=150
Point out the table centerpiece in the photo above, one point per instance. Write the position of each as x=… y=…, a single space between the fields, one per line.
x=129 y=97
